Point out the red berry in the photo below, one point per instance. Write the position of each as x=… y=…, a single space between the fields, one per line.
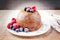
x=11 y=23
x=34 y=8
x=16 y=25
x=13 y=19
x=8 y=26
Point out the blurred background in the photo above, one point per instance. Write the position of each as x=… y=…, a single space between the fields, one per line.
x=20 y=4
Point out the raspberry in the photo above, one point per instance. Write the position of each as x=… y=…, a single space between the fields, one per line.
x=13 y=19
x=16 y=25
x=8 y=26
x=11 y=23
x=34 y=8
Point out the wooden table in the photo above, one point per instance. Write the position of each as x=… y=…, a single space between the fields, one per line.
x=5 y=35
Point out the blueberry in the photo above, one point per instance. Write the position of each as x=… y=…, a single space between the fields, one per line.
x=13 y=29
x=17 y=30
x=11 y=26
x=25 y=8
x=28 y=9
x=26 y=30
x=21 y=29
x=31 y=10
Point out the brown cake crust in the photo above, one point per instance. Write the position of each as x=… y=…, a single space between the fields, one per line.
x=29 y=20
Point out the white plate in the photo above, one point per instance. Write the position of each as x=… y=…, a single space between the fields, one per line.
x=44 y=28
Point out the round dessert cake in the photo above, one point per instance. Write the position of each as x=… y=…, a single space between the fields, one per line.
x=28 y=19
